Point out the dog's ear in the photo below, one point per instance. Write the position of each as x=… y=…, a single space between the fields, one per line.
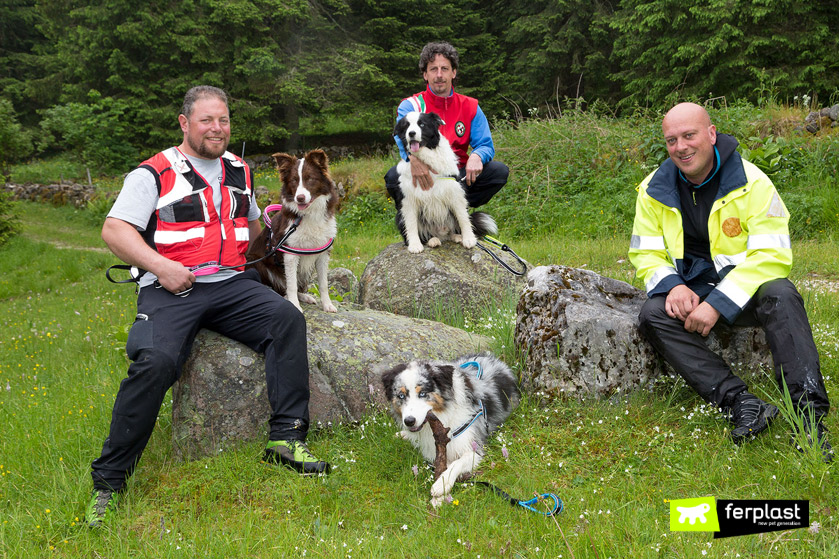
x=284 y=162
x=388 y=377
x=318 y=158
x=443 y=376
x=436 y=120
x=400 y=127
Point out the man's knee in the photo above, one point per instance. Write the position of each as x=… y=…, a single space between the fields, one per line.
x=778 y=294
x=652 y=314
x=392 y=183
x=286 y=319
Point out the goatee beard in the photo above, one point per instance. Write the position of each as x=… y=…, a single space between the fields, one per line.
x=205 y=151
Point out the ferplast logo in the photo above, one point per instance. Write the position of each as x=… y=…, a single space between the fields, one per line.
x=727 y=518
x=694 y=515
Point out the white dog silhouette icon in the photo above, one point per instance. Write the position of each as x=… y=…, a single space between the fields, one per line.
x=693 y=513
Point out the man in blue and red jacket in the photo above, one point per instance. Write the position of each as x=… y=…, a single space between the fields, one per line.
x=465 y=125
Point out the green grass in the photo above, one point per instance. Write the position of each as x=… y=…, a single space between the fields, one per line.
x=614 y=462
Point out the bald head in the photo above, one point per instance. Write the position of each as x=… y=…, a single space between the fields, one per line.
x=687 y=112
x=690 y=138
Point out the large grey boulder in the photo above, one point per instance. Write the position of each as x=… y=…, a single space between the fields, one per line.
x=221 y=396
x=579 y=333
x=446 y=279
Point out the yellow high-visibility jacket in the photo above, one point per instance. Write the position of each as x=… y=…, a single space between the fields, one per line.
x=748 y=230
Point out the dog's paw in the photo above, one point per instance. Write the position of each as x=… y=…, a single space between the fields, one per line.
x=415 y=248
x=401 y=435
x=443 y=486
x=469 y=241
x=433 y=242
x=329 y=307
x=306 y=298
x=436 y=502
x=457 y=238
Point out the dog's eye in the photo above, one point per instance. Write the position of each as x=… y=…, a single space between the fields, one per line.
x=423 y=394
x=400 y=396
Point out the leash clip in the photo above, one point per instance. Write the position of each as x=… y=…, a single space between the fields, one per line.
x=556 y=509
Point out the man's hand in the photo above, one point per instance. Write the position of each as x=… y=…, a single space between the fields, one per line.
x=127 y=244
x=174 y=277
x=421 y=173
x=680 y=302
x=702 y=319
x=474 y=166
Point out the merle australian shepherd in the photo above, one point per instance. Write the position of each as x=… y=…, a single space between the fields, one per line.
x=440 y=213
x=307 y=193
x=471 y=396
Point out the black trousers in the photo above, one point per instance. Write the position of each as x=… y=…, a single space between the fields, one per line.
x=779 y=309
x=490 y=181
x=159 y=344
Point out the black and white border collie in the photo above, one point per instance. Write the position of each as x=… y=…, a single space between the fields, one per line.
x=471 y=396
x=307 y=192
x=440 y=213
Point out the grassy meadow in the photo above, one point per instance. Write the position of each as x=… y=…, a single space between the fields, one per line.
x=614 y=462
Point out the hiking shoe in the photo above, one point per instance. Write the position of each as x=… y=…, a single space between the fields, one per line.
x=821 y=438
x=296 y=455
x=102 y=503
x=750 y=416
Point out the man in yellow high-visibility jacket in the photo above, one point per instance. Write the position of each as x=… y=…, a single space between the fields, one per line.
x=710 y=241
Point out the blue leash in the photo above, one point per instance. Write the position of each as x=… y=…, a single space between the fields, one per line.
x=555 y=509
x=557 y=502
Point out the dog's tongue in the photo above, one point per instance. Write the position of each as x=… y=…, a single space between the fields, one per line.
x=414 y=147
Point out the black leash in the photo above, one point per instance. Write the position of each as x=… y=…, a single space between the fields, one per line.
x=137 y=273
x=504 y=248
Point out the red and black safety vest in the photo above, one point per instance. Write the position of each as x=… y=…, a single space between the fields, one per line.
x=457 y=112
x=185 y=226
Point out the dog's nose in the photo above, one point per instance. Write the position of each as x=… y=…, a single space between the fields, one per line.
x=411 y=134
x=409 y=421
x=301 y=199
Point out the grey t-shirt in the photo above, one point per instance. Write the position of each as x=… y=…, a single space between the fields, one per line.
x=138 y=199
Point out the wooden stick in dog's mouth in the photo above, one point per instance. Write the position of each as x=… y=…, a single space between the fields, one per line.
x=441 y=439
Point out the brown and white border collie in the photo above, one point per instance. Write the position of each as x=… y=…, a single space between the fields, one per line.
x=309 y=193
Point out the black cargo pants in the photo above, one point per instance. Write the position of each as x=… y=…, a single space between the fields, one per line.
x=779 y=309
x=159 y=344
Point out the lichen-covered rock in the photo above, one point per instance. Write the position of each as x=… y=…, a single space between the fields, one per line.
x=579 y=332
x=343 y=282
x=449 y=278
x=221 y=397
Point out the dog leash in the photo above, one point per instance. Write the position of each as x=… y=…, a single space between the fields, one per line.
x=504 y=248
x=287 y=249
x=557 y=506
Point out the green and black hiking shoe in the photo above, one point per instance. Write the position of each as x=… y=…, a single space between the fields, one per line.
x=294 y=454
x=103 y=502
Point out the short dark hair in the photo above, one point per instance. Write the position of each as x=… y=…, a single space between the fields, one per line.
x=200 y=92
x=431 y=50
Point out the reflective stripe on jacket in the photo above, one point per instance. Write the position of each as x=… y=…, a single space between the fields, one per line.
x=185 y=226
x=748 y=231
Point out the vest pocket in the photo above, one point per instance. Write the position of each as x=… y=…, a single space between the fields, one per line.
x=240 y=202
x=191 y=207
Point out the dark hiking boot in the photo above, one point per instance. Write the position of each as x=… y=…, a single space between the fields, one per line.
x=750 y=416
x=296 y=455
